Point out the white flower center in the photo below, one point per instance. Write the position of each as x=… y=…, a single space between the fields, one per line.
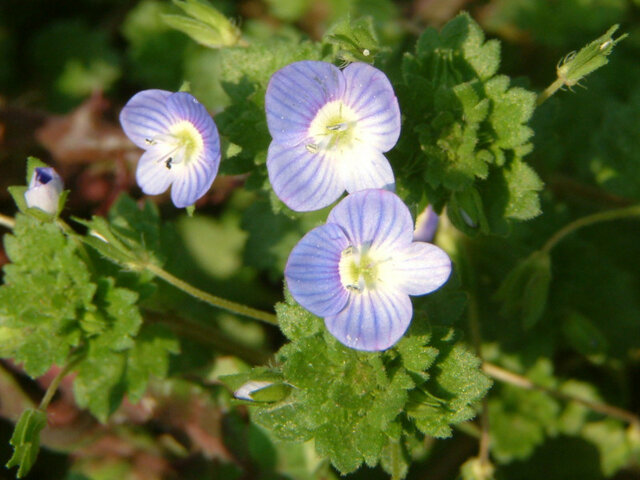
x=334 y=128
x=181 y=145
x=362 y=268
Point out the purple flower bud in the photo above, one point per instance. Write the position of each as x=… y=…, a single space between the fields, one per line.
x=44 y=190
x=426 y=225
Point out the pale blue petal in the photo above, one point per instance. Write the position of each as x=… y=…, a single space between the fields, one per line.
x=374 y=217
x=420 y=268
x=370 y=94
x=146 y=115
x=304 y=181
x=373 y=320
x=192 y=181
x=184 y=106
x=312 y=271
x=152 y=175
x=295 y=94
x=365 y=167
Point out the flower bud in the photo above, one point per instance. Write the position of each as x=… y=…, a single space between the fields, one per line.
x=204 y=24
x=576 y=66
x=44 y=190
x=262 y=391
x=426 y=225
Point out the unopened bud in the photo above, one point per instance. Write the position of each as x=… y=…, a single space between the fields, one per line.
x=204 y=24
x=575 y=66
x=426 y=225
x=44 y=190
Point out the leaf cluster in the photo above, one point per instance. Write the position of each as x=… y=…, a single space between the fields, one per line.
x=362 y=407
x=54 y=304
x=465 y=131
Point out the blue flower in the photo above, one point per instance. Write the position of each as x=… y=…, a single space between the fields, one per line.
x=330 y=128
x=44 y=190
x=358 y=270
x=181 y=142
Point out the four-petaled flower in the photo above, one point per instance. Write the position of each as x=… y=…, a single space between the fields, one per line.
x=358 y=270
x=330 y=128
x=44 y=190
x=181 y=142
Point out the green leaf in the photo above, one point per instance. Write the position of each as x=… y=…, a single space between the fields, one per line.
x=117 y=319
x=353 y=40
x=465 y=131
x=101 y=383
x=149 y=358
x=355 y=404
x=47 y=288
x=521 y=419
x=454 y=385
x=26 y=440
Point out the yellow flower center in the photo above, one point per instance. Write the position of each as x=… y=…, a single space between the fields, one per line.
x=334 y=128
x=181 y=145
x=359 y=269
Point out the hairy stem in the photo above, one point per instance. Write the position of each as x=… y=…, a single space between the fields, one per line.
x=509 y=377
x=550 y=90
x=223 y=303
x=590 y=220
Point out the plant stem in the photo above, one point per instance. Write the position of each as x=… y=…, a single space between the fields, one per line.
x=7 y=221
x=550 y=90
x=228 y=305
x=484 y=438
x=55 y=383
x=506 y=376
x=590 y=220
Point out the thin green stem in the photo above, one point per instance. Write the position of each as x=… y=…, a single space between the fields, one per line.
x=7 y=221
x=55 y=383
x=228 y=305
x=507 y=376
x=550 y=90
x=590 y=220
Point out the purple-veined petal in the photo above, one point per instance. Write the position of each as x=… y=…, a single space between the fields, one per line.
x=304 y=181
x=184 y=106
x=365 y=167
x=372 y=320
x=145 y=116
x=419 y=269
x=312 y=271
x=191 y=181
x=295 y=94
x=370 y=94
x=377 y=218
x=151 y=175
